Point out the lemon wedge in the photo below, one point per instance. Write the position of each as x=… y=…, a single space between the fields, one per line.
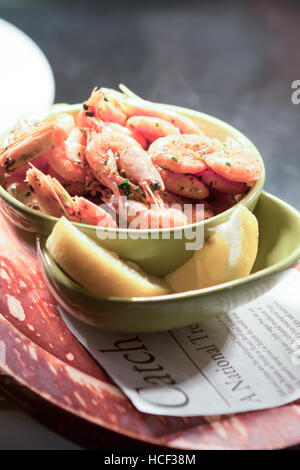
x=100 y=271
x=228 y=254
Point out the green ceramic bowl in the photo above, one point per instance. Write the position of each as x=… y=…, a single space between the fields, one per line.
x=279 y=247
x=158 y=255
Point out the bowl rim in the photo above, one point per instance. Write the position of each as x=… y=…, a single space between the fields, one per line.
x=73 y=108
x=67 y=281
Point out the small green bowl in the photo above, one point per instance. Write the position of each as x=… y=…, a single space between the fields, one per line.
x=279 y=248
x=158 y=255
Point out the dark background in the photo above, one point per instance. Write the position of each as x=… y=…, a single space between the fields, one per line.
x=233 y=59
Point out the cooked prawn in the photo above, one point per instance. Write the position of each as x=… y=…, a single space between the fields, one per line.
x=28 y=147
x=159 y=217
x=215 y=181
x=101 y=155
x=150 y=217
x=35 y=142
x=141 y=171
x=239 y=165
x=133 y=105
x=110 y=153
x=151 y=128
x=54 y=200
x=130 y=132
x=184 y=185
x=181 y=153
x=99 y=106
x=67 y=159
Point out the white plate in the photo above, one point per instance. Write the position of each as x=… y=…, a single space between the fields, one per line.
x=26 y=79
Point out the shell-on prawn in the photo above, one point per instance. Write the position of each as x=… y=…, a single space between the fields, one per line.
x=180 y=153
x=68 y=158
x=26 y=148
x=54 y=200
x=132 y=105
x=184 y=185
x=150 y=127
x=101 y=155
x=239 y=165
x=118 y=161
x=142 y=216
x=98 y=107
x=129 y=132
x=218 y=182
x=35 y=142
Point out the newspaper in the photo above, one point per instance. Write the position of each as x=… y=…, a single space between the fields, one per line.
x=246 y=360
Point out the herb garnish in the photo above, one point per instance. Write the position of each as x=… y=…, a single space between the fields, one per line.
x=125 y=187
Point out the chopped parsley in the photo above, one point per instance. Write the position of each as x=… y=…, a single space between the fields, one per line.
x=124 y=183
x=125 y=187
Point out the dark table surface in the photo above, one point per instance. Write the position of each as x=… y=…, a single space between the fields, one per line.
x=233 y=59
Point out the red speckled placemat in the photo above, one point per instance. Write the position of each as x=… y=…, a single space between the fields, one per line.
x=51 y=374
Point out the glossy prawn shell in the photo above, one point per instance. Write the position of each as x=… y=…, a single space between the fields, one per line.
x=157 y=255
